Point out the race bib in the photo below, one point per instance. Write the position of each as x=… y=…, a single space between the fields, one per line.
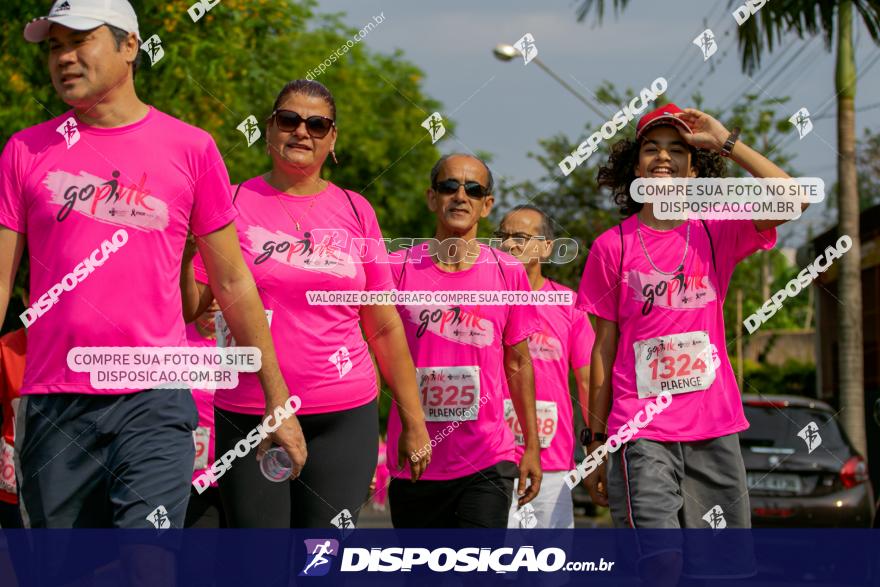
x=224 y=337
x=678 y=363
x=547 y=419
x=449 y=393
x=201 y=438
x=7 y=467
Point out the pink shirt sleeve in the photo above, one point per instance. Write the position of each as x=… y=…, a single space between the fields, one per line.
x=581 y=341
x=12 y=208
x=737 y=239
x=377 y=270
x=598 y=292
x=523 y=319
x=212 y=200
x=734 y=240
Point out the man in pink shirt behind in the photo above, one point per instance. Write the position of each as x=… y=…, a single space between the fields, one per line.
x=105 y=195
x=565 y=339
x=463 y=353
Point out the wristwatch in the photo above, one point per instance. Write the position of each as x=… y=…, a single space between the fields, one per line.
x=587 y=436
x=730 y=142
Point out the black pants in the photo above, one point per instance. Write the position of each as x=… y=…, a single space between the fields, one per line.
x=10 y=516
x=343 y=451
x=481 y=500
x=205 y=509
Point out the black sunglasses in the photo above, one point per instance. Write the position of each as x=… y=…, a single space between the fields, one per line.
x=472 y=188
x=289 y=121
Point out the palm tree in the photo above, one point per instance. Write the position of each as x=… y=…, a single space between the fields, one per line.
x=809 y=18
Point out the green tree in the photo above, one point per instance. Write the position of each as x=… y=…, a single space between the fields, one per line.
x=869 y=169
x=763 y=31
x=232 y=63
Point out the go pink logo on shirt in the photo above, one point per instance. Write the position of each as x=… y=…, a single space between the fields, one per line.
x=318 y=250
x=544 y=347
x=455 y=324
x=679 y=292
x=106 y=200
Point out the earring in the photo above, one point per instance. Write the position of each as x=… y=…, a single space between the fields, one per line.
x=333 y=154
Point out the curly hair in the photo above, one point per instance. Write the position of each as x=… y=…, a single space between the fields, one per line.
x=620 y=171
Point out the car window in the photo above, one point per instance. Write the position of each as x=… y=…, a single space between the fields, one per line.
x=779 y=427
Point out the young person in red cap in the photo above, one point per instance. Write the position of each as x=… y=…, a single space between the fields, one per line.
x=657 y=289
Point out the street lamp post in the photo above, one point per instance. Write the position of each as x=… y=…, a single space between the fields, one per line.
x=505 y=52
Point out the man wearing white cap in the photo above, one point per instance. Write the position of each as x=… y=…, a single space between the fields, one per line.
x=105 y=195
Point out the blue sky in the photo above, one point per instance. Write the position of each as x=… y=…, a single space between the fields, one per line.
x=505 y=108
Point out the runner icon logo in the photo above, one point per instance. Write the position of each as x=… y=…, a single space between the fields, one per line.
x=434 y=125
x=526 y=46
x=715 y=518
x=319 y=553
x=159 y=518
x=342 y=361
x=801 y=121
x=343 y=520
x=706 y=43
x=69 y=131
x=153 y=49
x=810 y=434
x=250 y=129
x=526 y=516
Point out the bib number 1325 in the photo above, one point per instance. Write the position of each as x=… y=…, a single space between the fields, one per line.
x=449 y=393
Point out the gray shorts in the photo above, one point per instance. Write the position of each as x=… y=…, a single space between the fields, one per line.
x=102 y=461
x=679 y=484
x=673 y=485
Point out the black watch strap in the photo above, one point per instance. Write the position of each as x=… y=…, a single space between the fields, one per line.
x=730 y=142
x=588 y=436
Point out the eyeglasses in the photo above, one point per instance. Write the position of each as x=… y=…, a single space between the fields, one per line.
x=289 y=121
x=472 y=188
x=517 y=235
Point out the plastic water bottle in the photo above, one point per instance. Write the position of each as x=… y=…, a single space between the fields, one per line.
x=276 y=464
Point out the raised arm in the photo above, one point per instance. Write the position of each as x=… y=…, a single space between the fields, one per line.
x=710 y=134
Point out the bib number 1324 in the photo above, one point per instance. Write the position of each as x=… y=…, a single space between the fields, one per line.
x=678 y=363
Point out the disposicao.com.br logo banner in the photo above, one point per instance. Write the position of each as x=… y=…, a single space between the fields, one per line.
x=505 y=559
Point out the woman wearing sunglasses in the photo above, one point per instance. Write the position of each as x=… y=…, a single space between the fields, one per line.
x=296 y=232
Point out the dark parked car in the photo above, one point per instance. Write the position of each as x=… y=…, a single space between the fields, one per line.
x=802 y=470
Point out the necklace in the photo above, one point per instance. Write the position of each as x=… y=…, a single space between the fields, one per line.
x=651 y=261
x=286 y=211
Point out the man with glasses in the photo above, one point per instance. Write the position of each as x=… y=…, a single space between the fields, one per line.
x=566 y=338
x=463 y=352
x=105 y=195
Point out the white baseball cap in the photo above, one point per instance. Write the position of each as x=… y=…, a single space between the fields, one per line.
x=84 y=15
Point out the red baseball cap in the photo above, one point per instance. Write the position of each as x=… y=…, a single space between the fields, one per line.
x=660 y=116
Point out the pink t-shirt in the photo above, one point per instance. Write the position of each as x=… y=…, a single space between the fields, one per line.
x=155 y=179
x=565 y=340
x=204 y=400
x=320 y=348
x=459 y=357
x=674 y=324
